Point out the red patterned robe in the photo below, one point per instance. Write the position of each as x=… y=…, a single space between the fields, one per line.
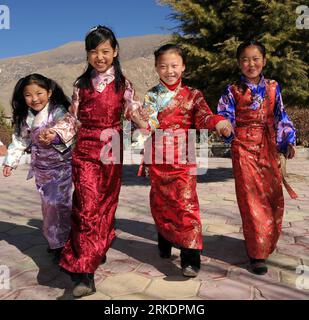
x=173 y=198
x=255 y=157
x=97 y=183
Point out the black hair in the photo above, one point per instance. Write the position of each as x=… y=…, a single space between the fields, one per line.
x=169 y=47
x=19 y=106
x=94 y=37
x=249 y=43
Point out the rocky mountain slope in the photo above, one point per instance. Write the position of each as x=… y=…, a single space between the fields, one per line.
x=64 y=64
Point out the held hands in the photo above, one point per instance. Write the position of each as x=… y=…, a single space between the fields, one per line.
x=140 y=117
x=290 y=153
x=224 y=128
x=46 y=136
x=7 y=171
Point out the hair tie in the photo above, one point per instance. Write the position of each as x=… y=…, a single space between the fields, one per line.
x=93 y=29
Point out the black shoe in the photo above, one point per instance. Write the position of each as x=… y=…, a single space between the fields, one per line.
x=258 y=266
x=56 y=253
x=49 y=250
x=165 y=247
x=190 y=260
x=84 y=286
x=103 y=259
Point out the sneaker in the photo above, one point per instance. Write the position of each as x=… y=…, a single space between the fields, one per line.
x=190 y=261
x=190 y=271
x=84 y=286
x=258 y=266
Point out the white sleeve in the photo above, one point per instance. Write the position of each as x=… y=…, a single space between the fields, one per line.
x=17 y=148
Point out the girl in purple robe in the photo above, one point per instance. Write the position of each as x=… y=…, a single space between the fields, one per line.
x=38 y=102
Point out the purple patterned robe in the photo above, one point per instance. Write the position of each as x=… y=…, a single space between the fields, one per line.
x=51 y=167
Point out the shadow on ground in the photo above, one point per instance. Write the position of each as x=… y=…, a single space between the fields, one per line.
x=130 y=178
x=29 y=240
x=219 y=247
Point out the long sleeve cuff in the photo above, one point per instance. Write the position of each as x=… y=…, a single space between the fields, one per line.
x=212 y=121
x=57 y=140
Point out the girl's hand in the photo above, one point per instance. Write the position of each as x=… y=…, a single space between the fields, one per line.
x=72 y=109
x=224 y=128
x=290 y=153
x=138 y=119
x=143 y=114
x=7 y=171
x=47 y=136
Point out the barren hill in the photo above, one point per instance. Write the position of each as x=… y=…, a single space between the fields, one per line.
x=65 y=63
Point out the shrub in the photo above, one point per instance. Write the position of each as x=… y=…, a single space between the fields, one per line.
x=300 y=117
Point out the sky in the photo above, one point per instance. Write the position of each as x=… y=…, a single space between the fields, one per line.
x=38 y=25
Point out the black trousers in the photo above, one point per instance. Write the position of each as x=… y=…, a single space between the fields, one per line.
x=189 y=257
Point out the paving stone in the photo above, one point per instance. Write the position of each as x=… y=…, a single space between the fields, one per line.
x=37 y=251
x=119 y=266
x=175 y=287
x=223 y=229
x=294 y=231
x=291 y=277
x=18 y=230
x=226 y=289
x=225 y=249
x=32 y=278
x=285 y=238
x=283 y=261
x=136 y=296
x=293 y=216
x=96 y=296
x=234 y=221
x=301 y=224
x=282 y=292
x=203 y=202
x=34 y=293
x=237 y=235
x=213 y=220
x=123 y=284
x=213 y=270
x=5 y=227
x=134 y=269
x=244 y=276
x=303 y=240
x=10 y=253
x=305 y=260
x=294 y=250
x=158 y=271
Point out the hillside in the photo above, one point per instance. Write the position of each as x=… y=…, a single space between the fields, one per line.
x=66 y=62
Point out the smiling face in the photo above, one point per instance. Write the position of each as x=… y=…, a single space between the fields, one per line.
x=101 y=58
x=170 y=67
x=36 y=97
x=251 y=63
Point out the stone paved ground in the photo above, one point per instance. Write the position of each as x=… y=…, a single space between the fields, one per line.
x=134 y=270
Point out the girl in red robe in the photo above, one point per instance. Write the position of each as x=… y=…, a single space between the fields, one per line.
x=262 y=129
x=173 y=109
x=101 y=95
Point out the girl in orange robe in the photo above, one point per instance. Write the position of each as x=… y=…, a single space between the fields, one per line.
x=262 y=130
x=173 y=109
